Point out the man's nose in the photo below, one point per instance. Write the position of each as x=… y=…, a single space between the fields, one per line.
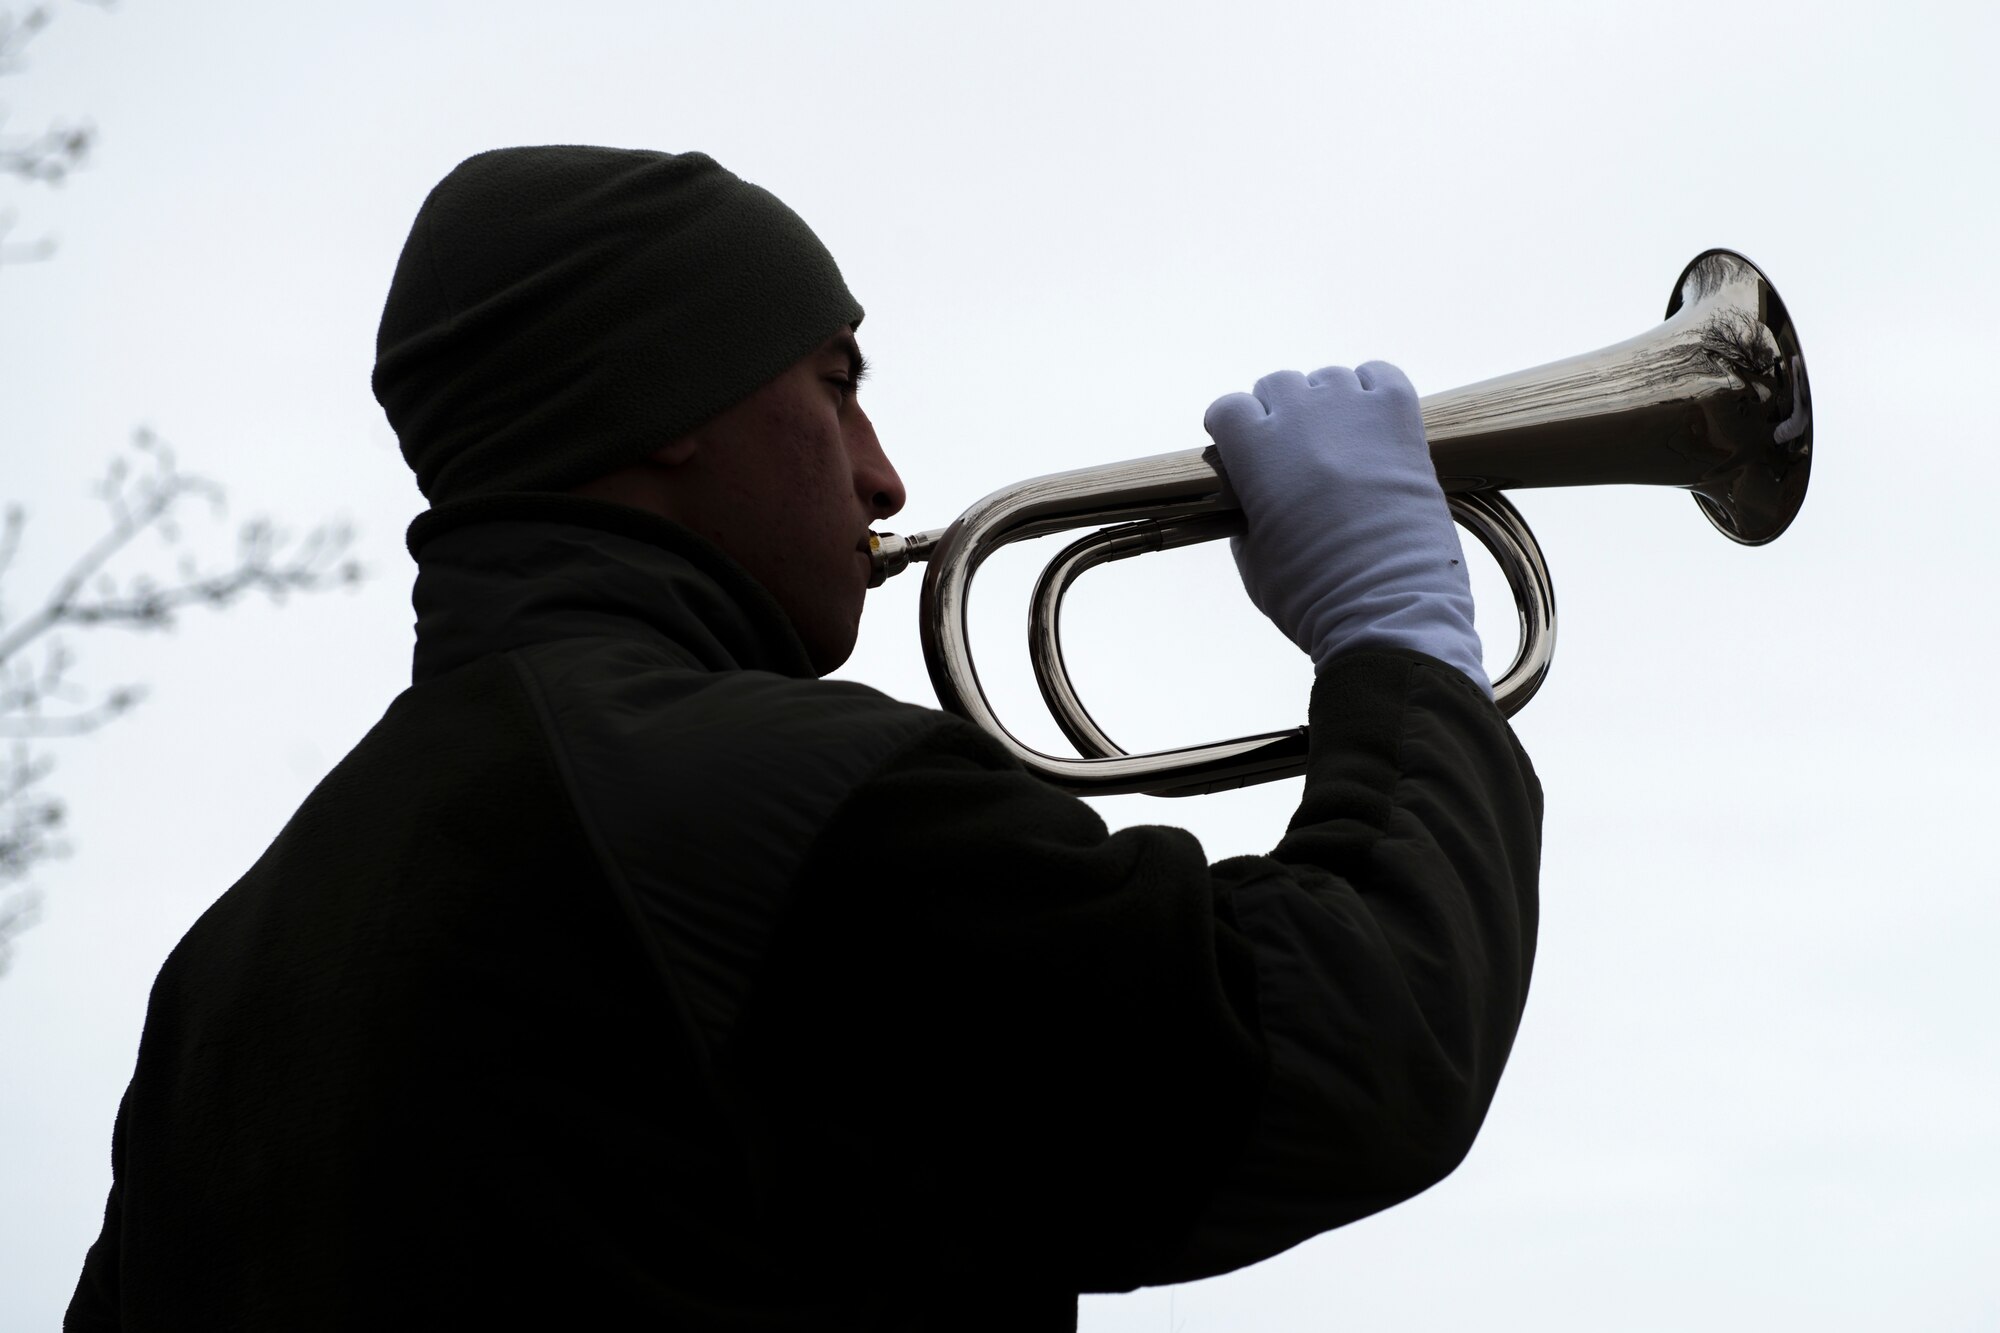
x=875 y=479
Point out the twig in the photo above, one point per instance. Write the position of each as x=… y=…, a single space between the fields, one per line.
x=86 y=596
x=48 y=158
x=35 y=727
x=148 y=502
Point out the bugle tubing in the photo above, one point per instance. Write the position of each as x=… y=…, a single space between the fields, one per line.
x=1713 y=400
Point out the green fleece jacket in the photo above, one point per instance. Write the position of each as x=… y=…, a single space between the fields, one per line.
x=625 y=975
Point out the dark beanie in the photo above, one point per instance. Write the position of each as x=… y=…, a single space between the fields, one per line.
x=560 y=312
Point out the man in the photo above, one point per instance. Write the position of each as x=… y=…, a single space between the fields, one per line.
x=629 y=975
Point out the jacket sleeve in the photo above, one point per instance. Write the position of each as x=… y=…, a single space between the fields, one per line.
x=1023 y=1043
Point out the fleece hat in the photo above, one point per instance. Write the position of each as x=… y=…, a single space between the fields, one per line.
x=560 y=312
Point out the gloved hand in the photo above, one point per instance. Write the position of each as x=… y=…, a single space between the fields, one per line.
x=1349 y=543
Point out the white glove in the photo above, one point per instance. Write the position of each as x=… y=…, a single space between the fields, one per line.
x=1350 y=544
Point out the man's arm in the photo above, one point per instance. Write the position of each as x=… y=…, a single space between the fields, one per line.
x=1001 y=1041
x=1016 y=1044
x=1395 y=936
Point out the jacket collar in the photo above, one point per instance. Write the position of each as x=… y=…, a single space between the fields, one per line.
x=505 y=571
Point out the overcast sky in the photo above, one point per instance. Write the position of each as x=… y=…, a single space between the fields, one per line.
x=1756 y=1085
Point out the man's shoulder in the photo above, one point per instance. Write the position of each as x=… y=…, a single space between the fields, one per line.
x=650 y=695
x=653 y=747
x=705 y=792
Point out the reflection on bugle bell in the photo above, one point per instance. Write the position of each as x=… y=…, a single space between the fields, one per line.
x=1713 y=400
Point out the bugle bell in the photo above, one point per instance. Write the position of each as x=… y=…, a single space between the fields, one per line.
x=1714 y=400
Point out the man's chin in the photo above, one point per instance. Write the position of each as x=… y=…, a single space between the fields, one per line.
x=829 y=651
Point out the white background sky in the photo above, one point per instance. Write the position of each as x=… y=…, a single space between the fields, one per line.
x=1757 y=1082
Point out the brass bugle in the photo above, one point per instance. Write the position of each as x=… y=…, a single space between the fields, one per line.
x=1714 y=400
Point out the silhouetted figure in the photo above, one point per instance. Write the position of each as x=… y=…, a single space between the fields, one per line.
x=629 y=975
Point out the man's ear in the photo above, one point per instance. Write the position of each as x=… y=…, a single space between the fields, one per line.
x=651 y=482
x=676 y=452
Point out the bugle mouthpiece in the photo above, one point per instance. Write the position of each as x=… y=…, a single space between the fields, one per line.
x=892 y=554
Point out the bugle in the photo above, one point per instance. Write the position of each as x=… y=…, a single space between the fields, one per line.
x=1714 y=400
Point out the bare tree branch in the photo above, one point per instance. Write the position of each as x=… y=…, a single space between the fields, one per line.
x=49 y=157
x=29 y=819
x=39 y=697
x=18 y=911
x=31 y=725
x=16 y=33
x=148 y=501
x=39 y=701
x=10 y=540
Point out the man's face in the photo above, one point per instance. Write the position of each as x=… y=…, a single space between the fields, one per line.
x=791 y=478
